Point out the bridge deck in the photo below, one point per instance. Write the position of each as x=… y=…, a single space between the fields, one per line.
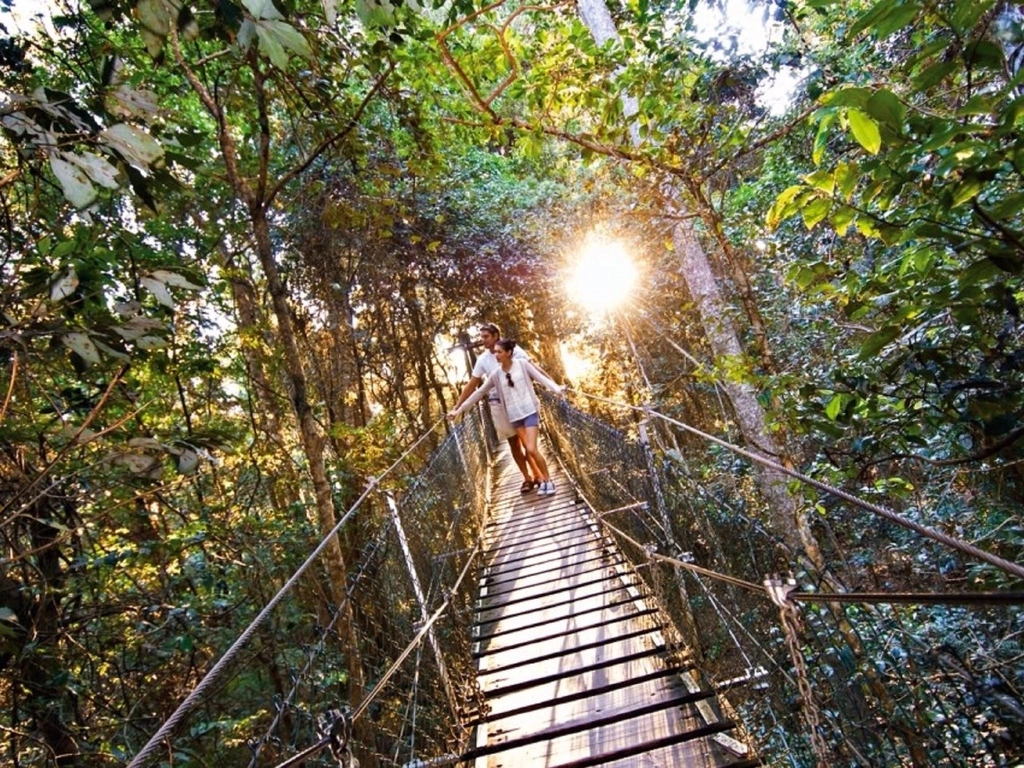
x=571 y=659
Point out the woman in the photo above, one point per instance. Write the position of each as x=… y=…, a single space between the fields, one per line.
x=514 y=379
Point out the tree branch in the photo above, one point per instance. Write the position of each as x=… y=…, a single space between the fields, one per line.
x=328 y=142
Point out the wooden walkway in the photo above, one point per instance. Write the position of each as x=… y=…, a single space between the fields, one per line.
x=571 y=660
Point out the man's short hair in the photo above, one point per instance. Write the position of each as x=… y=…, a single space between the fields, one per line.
x=491 y=328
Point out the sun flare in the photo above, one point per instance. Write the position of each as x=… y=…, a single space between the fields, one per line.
x=602 y=277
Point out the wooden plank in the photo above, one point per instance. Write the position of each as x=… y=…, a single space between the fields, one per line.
x=499 y=645
x=543 y=571
x=571 y=661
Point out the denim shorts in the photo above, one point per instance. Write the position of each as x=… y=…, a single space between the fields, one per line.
x=533 y=420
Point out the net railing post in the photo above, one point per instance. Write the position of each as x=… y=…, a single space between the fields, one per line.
x=403 y=541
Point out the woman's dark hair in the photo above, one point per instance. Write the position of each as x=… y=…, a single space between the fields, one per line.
x=507 y=344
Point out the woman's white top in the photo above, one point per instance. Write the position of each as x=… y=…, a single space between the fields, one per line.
x=487 y=364
x=520 y=400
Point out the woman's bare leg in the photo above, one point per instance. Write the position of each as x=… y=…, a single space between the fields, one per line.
x=528 y=437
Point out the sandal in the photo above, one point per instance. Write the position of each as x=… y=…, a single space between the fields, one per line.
x=527 y=486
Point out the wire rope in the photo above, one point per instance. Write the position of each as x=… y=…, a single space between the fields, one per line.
x=412 y=645
x=888 y=514
x=194 y=696
x=319 y=646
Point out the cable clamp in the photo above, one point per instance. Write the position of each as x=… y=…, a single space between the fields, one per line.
x=780 y=589
x=339 y=725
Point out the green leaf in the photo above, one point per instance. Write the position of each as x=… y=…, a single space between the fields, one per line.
x=821 y=179
x=868 y=227
x=847 y=175
x=865 y=130
x=786 y=204
x=836 y=405
x=967 y=13
x=941 y=134
x=884 y=18
x=899 y=16
x=262 y=9
x=1009 y=207
x=848 y=97
x=966 y=190
x=375 y=13
x=154 y=17
x=934 y=74
x=885 y=107
x=821 y=137
x=843 y=218
x=877 y=341
x=289 y=37
x=271 y=46
x=816 y=210
x=985 y=54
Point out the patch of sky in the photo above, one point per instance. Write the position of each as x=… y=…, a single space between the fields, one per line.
x=734 y=29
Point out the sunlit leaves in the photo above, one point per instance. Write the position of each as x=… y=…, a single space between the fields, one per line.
x=134 y=144
x=865 y=130
x=75 y=184
x=262 y=9
x=276 y=40
x=375 y=13
x=156 y=18
x=65 y=285
x=82 y=345
x=886 y=17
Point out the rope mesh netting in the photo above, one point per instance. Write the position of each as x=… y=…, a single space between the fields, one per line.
x=413 y=635
x=884 y=684
x=879 y=684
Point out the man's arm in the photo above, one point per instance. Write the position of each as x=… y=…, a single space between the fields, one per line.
x=474 y=398
x=467 y=390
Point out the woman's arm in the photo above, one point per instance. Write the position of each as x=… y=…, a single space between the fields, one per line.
x=537 y=375
x=476 y=397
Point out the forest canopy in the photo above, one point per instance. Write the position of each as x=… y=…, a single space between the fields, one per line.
x=245 y=248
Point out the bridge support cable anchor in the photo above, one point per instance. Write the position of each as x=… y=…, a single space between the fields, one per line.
x=780 y=591
x=336 y=729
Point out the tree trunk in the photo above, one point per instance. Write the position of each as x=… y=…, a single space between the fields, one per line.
x=313 y=446
x=750 y=416
x=696 y=270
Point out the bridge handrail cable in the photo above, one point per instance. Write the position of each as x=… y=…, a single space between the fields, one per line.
x=229 y=655
x=892 y=516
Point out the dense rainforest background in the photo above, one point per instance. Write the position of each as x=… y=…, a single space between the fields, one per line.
x=240 y=241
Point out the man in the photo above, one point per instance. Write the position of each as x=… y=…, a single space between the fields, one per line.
x=486 y=364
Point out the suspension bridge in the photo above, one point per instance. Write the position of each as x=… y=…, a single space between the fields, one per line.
x=574 y=662
x=601 y=627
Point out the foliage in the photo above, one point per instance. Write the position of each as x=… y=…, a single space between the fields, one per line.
x=917 y=166
x=181 y=183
